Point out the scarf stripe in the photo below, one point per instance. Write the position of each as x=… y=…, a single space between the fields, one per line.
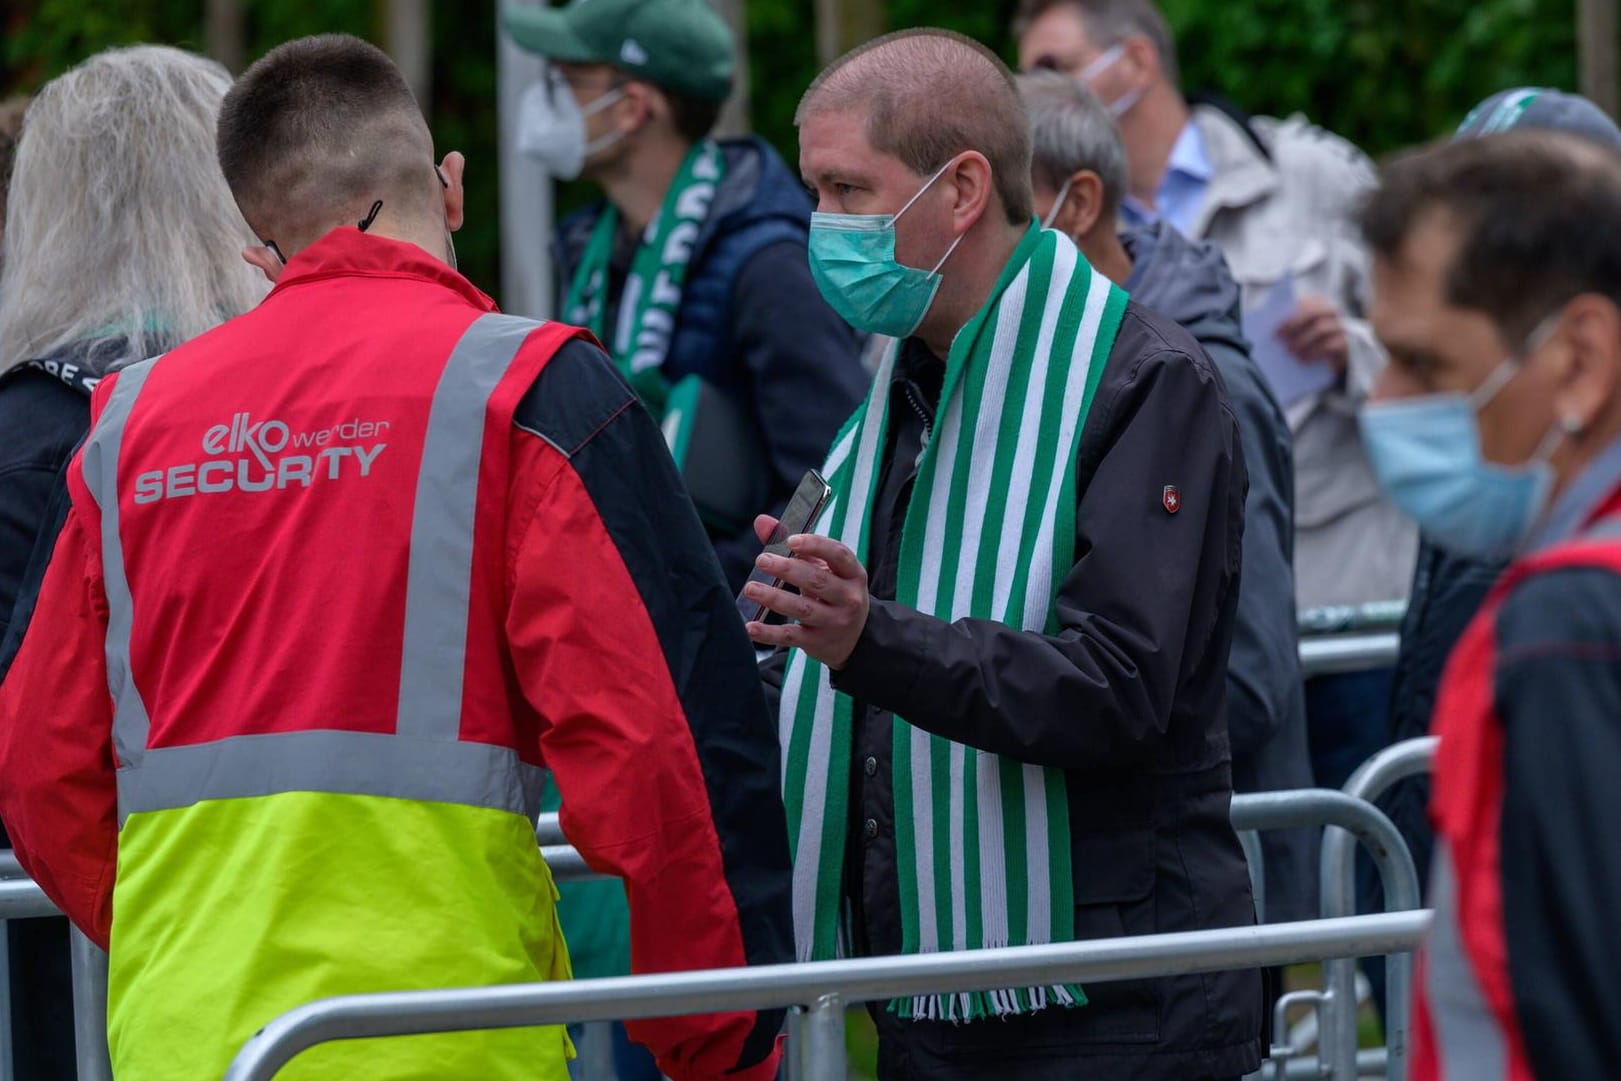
x=982 y=842
x=651 y=295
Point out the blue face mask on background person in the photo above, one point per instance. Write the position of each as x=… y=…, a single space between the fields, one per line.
x=852 y=259
x=1426 y=457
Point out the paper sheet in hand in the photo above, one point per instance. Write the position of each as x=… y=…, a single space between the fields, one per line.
x=1291 y=379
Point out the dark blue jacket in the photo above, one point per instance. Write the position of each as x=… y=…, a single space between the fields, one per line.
x=44 y=413
x=1448 y=589
x=1188 y=281
x=752 y=322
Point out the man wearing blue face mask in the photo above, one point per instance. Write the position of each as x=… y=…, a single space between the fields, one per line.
x=1497 y=290
x=1003 y=704
x=1448 y=586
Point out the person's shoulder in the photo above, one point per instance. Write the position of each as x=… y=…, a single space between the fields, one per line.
x=29 y=384
x=1306 y=154
x=1573 y=605
x=759 y=197
x=1148 y=341
x=1305 y=145
x=578 y=392
x=1156 y=364
x=43 y=417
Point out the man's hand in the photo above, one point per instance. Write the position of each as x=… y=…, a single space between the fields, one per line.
x=1316 y=331
x=831 y=605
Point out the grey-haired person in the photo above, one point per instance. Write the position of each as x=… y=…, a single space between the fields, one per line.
x=121 y=239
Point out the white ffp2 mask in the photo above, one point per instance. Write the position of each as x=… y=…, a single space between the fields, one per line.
x=551 y=127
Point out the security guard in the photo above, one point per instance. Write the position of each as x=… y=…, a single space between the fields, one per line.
x=340 y=577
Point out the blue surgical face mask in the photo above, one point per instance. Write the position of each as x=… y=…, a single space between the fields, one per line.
x=852 y=259
x=1426 y=457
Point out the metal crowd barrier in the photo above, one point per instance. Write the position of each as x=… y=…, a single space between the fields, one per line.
x=816 y=1047
x=1351 y=817
x=1345 y=815
x=1349 y=638
x=1337 y=640
x=1339 y=618
x=822 y=989
x=1337 y=1037
x=1356 y=652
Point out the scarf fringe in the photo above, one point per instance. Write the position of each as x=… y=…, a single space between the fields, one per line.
x=982 y=1005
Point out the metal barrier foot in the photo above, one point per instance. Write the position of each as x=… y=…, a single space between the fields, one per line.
x=1278 y=1058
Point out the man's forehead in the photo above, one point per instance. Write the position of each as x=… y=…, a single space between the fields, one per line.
x=831 y=139
x=573 y=69
x=1430 y=248
x=1410 y=284
x=1055 y=39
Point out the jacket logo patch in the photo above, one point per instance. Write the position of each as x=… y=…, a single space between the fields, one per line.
x=1171 y=499
x=259 y=456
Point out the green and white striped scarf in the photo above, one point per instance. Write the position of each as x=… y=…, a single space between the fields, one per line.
x=982 y=842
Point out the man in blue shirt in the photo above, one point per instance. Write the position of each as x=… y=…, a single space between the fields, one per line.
x=1277 y=197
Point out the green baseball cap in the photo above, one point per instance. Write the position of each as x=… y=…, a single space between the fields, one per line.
x=680 y=45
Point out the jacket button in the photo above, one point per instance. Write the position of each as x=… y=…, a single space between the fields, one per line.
x=872 y=828
x=871 y=766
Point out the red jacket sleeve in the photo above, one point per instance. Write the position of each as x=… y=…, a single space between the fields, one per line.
x=627 y=642
x=58 y=795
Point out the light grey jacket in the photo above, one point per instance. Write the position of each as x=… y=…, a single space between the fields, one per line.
x=1289 y=208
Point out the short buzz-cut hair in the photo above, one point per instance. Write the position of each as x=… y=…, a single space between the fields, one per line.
x=316 y=131
x=1536 y=215
x=1109 y=22
x=931 y=94
x=1070 y=130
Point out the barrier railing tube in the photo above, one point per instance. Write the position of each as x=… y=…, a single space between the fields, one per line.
x=90 y=1009
x=863 y=980
x=1338 y=1037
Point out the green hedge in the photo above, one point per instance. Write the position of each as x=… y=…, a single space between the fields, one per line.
x=1382 y=73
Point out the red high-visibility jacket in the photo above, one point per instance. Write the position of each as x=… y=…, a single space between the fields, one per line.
x=339 y=578
x=1513 y=983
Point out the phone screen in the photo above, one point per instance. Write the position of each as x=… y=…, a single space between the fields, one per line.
x=804 y=507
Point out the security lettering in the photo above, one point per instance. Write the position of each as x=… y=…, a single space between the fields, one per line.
x=248 y=456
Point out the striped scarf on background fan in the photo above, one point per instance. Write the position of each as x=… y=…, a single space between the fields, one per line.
x=982 y=842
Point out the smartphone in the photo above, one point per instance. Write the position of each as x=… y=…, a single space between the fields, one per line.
x=804 y=507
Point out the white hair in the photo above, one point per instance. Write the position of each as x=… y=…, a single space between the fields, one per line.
x=119 y=223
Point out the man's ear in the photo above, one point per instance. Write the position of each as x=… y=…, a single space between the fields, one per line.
x=971 y=177
x=649 y=101
x=1591 y=375
x=1141 y=64
x=1085 y=204
x=451 y=170
x=262 y=257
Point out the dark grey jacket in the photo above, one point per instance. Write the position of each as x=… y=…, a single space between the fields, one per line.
x=1129 y=697
x=1188 y=281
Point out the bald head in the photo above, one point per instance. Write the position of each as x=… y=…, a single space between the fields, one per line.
x=927 y=96
x=317 y=131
